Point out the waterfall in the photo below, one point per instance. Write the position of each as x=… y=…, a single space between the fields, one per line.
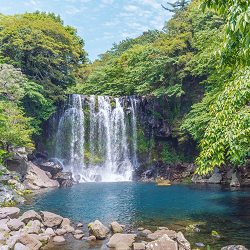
x=70 y=136
x=92 y=138
x=133 y=101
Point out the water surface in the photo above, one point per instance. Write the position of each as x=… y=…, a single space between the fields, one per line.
x=214 y=207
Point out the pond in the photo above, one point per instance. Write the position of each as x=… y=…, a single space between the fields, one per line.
x=214 y=207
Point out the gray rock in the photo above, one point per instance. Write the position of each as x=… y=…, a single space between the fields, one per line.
x=49 y=231
x=115 y=227
x=3 y=226
x=98 y=230
x=229 y=174
x=91 y=238
x=122 y=246
x=79 y=236
x=68 y=228
x=163 y=243
x=236 y=180
x=12 y=212
x=15 y=224
x=29 y=241
x=51 y=219
x=128 y=239
x=186 y=174
x=215 y=179
x=140 y=228
x=233 y=247
x=199 y=244
x=48 y=174
x=145 y=232
x=60 y=231
x=139 y=246
x=18 y=163
x=51 y=167
x=159 y=233
x=65 y=222
x=42 y=238
x=34 y=227
x=5 y=247
x=30 y=215
x=20 y=246
x=65 y=179
x=182 y=241
x=37 y=177
x=79 y=225
x=59 y=239
x=78 y=232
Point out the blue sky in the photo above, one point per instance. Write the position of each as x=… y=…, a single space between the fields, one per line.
x=99 y=22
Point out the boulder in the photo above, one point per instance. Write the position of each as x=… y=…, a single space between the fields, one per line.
x=51 y=167
x=98 y=230
x=49 y=231
x=79 y=236
x=12 y=212
x=20 y=246
x=159 y=233
x=229 y=174
x=37 y=177
x=51 y=219
x=19 y=163
x=3 y=226
x=139 y=246
x=79 y=225
x=30 y=215
x=78 y=232
x=91 y=238
x=115 y=227
x=122 y=246
x=15 y=224
x=145 y=232
x=163 y=243
x=68 y=228
x=30 y=186
x=34 y=227
x=183 y=243
x=236 y=180
x=60 y=231
x=11 y=241
x=5 y=247
x=7 y=194
x=65 y=179
x=59 y=239
x=42 y=238
x=128 y=239
x=29 y=241
x=65 y=222
x=215 y=178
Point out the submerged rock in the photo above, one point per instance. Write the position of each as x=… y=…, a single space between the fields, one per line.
x=233 y=247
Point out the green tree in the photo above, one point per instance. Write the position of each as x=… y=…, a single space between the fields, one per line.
x=46 y=52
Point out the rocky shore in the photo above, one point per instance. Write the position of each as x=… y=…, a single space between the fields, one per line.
x=32 y=231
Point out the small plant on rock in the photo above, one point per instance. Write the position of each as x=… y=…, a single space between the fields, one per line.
x=190 y=227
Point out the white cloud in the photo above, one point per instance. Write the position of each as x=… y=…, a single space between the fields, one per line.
x=108 y=1
x=130 y=7
x=85 y=1
x=112 y=23
x=152 y=3
x=125 y=14
x=71 y=10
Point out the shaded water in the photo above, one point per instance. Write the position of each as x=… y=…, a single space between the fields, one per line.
x=214 y=207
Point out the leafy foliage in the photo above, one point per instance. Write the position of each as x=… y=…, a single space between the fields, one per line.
x=46 y=52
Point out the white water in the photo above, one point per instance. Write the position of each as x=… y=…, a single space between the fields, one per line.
x=108 y=156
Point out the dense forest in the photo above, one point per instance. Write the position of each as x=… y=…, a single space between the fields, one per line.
x=201 y=55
